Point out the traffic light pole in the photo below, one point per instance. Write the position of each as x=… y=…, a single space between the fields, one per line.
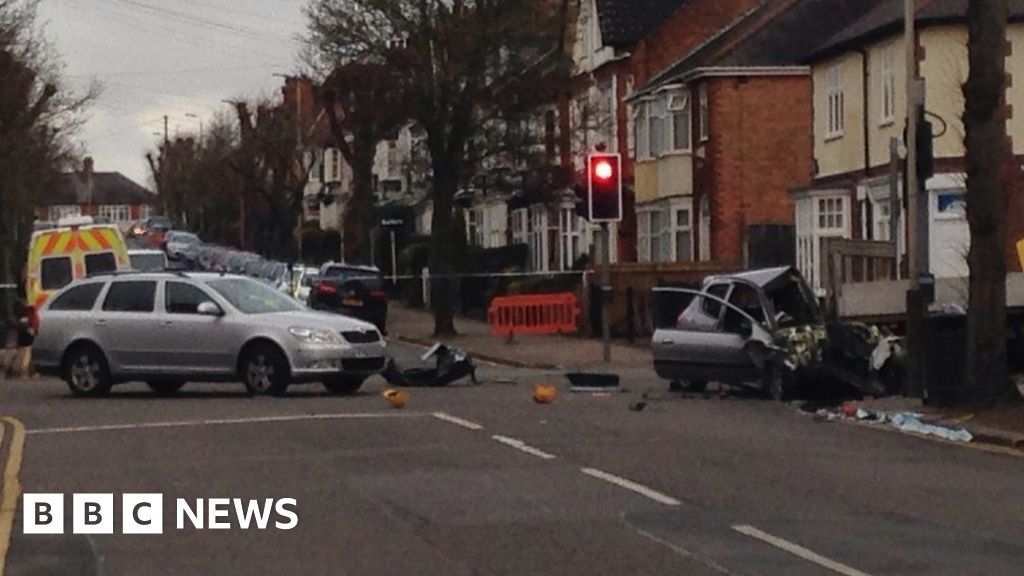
x=606 y=291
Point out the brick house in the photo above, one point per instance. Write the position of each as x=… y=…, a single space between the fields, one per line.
x=859 y=90
x=724 y=132
x=110 y=195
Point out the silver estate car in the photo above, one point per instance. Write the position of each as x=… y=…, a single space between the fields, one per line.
x=168 y=328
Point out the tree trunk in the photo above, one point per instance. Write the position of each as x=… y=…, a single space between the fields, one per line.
x=442 y=250
x=986 y=144
x=358 y=218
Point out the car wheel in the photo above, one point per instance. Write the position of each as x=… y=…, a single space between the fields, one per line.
x=344 y=385
x=165 y=388
x=86 y=371
x=776 y=385
x=265 y=371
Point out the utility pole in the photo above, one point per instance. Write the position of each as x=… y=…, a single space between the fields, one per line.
x=922 y=288
x=606 y=291
x=165 y=130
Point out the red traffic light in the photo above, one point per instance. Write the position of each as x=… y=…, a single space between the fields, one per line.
x=604 y=187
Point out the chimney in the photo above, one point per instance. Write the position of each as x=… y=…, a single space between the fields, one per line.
x=84 y=188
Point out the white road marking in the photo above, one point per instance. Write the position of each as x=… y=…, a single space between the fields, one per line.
x=679 y=550
x=630 y=485
x=457 y=421
x=799 y=551
x=523 y=447
x=221 y=421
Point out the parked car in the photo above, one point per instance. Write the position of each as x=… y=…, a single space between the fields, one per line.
x=182 y=246
x=356 y=291
x=278 y=275
x=764 y=328
x=167 y=329
x=148 y=260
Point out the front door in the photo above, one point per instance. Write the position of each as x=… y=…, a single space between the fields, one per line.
x=196 y=343
x=126 y=327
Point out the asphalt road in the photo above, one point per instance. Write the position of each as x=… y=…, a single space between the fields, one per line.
x=481 y=480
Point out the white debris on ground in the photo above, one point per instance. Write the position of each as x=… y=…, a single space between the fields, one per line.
x=902 y=421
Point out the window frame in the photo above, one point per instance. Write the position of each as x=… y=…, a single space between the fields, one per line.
x=705 y=113
x=835 y=122
x=888 y=81
x=111 y=288
x=42 y=273
x=675 y=111
x=167 y=296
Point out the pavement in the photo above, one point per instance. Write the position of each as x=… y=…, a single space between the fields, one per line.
x=528 y=351
x=481 y=480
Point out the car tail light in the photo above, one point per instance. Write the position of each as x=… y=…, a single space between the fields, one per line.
x=325 y=288
x=378 y=294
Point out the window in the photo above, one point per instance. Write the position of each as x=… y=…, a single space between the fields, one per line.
x=79 y=298
x=519 y=224
x=713 y=307
x=683 y=232
x=656 y=130
x=538 y=238
x=831 y=213
x=834 y=93
x=55 y=272
x=475 y=227
x=888 y=87
x=252 y=297
x=145 y=211
x=182 y=298
x=148 y=261
x=679 y=111
x=549 y=135
x=746 y=298
x=702 y=97
x=333 y=166
x=130 y=297
x=115 y=212
x=643 y=150
x=100 y=263
x=569 y=233
x=654 y=235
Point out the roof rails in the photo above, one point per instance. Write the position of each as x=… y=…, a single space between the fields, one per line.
x=116 y=273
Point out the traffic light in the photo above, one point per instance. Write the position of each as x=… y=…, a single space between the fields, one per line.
x=604 y=187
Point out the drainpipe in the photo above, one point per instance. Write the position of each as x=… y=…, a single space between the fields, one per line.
x=866 y=98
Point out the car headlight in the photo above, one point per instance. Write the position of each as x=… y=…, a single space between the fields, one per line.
x=313 y=336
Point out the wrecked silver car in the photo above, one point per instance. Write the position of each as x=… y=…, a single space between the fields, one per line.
x=764 y=327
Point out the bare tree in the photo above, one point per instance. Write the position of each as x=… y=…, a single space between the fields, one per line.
x=454 y=50
x=38 y=117
x=987 y=150
x=364 y=102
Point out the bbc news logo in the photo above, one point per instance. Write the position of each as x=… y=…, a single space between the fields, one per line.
x=144 y=514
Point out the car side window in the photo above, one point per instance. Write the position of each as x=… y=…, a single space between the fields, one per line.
x=55 y=273
x=713 y=307
x=79 y=298
x=182 y=298
x=100 y=263
x=746 y=298
x=132 y=296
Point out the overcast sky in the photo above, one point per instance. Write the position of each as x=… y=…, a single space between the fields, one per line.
x=173 y=57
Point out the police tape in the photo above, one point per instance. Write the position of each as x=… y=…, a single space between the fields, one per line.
x=429 y=276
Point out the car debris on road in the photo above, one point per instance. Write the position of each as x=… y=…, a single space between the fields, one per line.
x=451 y=365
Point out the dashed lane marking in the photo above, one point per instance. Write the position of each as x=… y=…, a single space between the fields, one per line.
x=523 y=447
x=630 y=485
x=457 y=421
x=223 y=421
x=799 y=551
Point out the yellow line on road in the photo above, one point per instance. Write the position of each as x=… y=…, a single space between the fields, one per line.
x=11 y=486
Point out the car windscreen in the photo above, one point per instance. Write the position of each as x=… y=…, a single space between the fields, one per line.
x=100 y=263
x=55 y=272
x=794 y=304
x=251 y=297
x=371 y=280
x=147 y=262
x=309 y=279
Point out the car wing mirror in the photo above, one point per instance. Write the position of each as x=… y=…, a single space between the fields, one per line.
x=209 y=309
